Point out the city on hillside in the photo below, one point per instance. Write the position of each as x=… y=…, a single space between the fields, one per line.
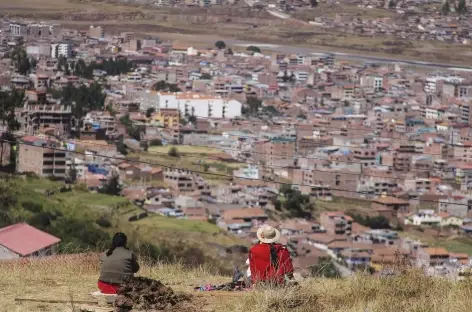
x=357 y=162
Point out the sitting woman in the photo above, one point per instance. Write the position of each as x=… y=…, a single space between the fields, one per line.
x=270 y=263
x=116 y=264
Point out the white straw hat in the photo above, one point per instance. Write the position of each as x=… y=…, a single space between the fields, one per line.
x=268 y=234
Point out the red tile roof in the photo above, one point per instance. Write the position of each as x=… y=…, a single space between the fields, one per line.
x=24 y=239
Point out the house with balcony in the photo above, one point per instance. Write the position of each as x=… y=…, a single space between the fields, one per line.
x=423 y=217
x=390 y=207
x=355 y=258
x=240 y=221
x=44 y=157
x=336 y=223
x=432 y=257
x=322 y=192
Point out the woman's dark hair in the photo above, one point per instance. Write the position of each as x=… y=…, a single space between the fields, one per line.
x=119 y=240
x=273 y=256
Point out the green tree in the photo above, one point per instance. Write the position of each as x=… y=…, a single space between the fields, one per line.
x=174 y=88
x=220 y=44
x=377 y=222
x=63 y=65
x=113 y=186
x=446 y=8
x=164 y=86
x=8 y=200
x=160 y=86
x=192 y=119
x=20 y=60
x=150 y=111
x=121 y=146
x=173 y=152
x=73 y=176
x=271 y=110
x=314 y=3
x=462 y=7
x=80 y=68
x=392 y=4
x=205 y=76
x=33 y=63
x=112 y=67
x=8 y=102
x=296 y=204
x=254 y=49
x=83 y=99
x=254 y=104
x=155 y=142
x=230 y=51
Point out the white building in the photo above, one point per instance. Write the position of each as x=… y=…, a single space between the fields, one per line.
x=423 y=217
x=251 y=172
x=18 y=29
x=189 y=103
x=63 y=49
x=38 y=50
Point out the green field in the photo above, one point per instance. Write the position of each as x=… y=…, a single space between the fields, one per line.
x=343 y=204
x=76 y=212
x=191 y=158
x=185 y=149
x=459 y=244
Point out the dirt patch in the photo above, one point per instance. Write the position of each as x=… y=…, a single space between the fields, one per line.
x=145 y=294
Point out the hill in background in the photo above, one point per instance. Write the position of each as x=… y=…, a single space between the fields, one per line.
x=85 y=221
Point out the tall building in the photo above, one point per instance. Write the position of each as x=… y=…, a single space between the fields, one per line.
x=42 y=116
x=276 y=152
x=63 y=49
x=96 y=32
x=43 y=157
x=18 y=29
x=192 y=104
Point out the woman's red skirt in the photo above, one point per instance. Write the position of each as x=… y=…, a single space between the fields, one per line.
x=109 y=289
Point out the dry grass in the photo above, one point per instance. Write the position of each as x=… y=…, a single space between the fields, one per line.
x=74 y=277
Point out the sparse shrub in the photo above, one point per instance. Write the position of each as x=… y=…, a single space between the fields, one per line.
x=104 y=222
x=173 y=152
x=42 y=220
x=155 y=142
x=32 y=206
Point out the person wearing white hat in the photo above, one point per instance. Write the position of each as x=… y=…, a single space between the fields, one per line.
x=269 y=261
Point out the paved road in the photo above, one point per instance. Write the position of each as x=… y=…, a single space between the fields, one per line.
x=344 y=56
x=347 y=56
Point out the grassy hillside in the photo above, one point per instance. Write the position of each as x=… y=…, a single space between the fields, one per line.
x=73 y=278
x=73 y=217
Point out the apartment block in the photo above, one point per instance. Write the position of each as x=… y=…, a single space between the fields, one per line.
x=276 y=152
x=336 y=223
x=186 y=181
x=365 y=156
x=61 y=49
x=42 y=157
x=35 y=117
x=18 y=29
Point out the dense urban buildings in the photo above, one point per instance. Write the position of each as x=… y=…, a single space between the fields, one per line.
x=341 y=155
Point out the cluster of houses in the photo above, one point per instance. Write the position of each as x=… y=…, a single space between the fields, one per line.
x=397 y=139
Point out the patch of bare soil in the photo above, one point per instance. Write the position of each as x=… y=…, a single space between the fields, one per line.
x=145 y=294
